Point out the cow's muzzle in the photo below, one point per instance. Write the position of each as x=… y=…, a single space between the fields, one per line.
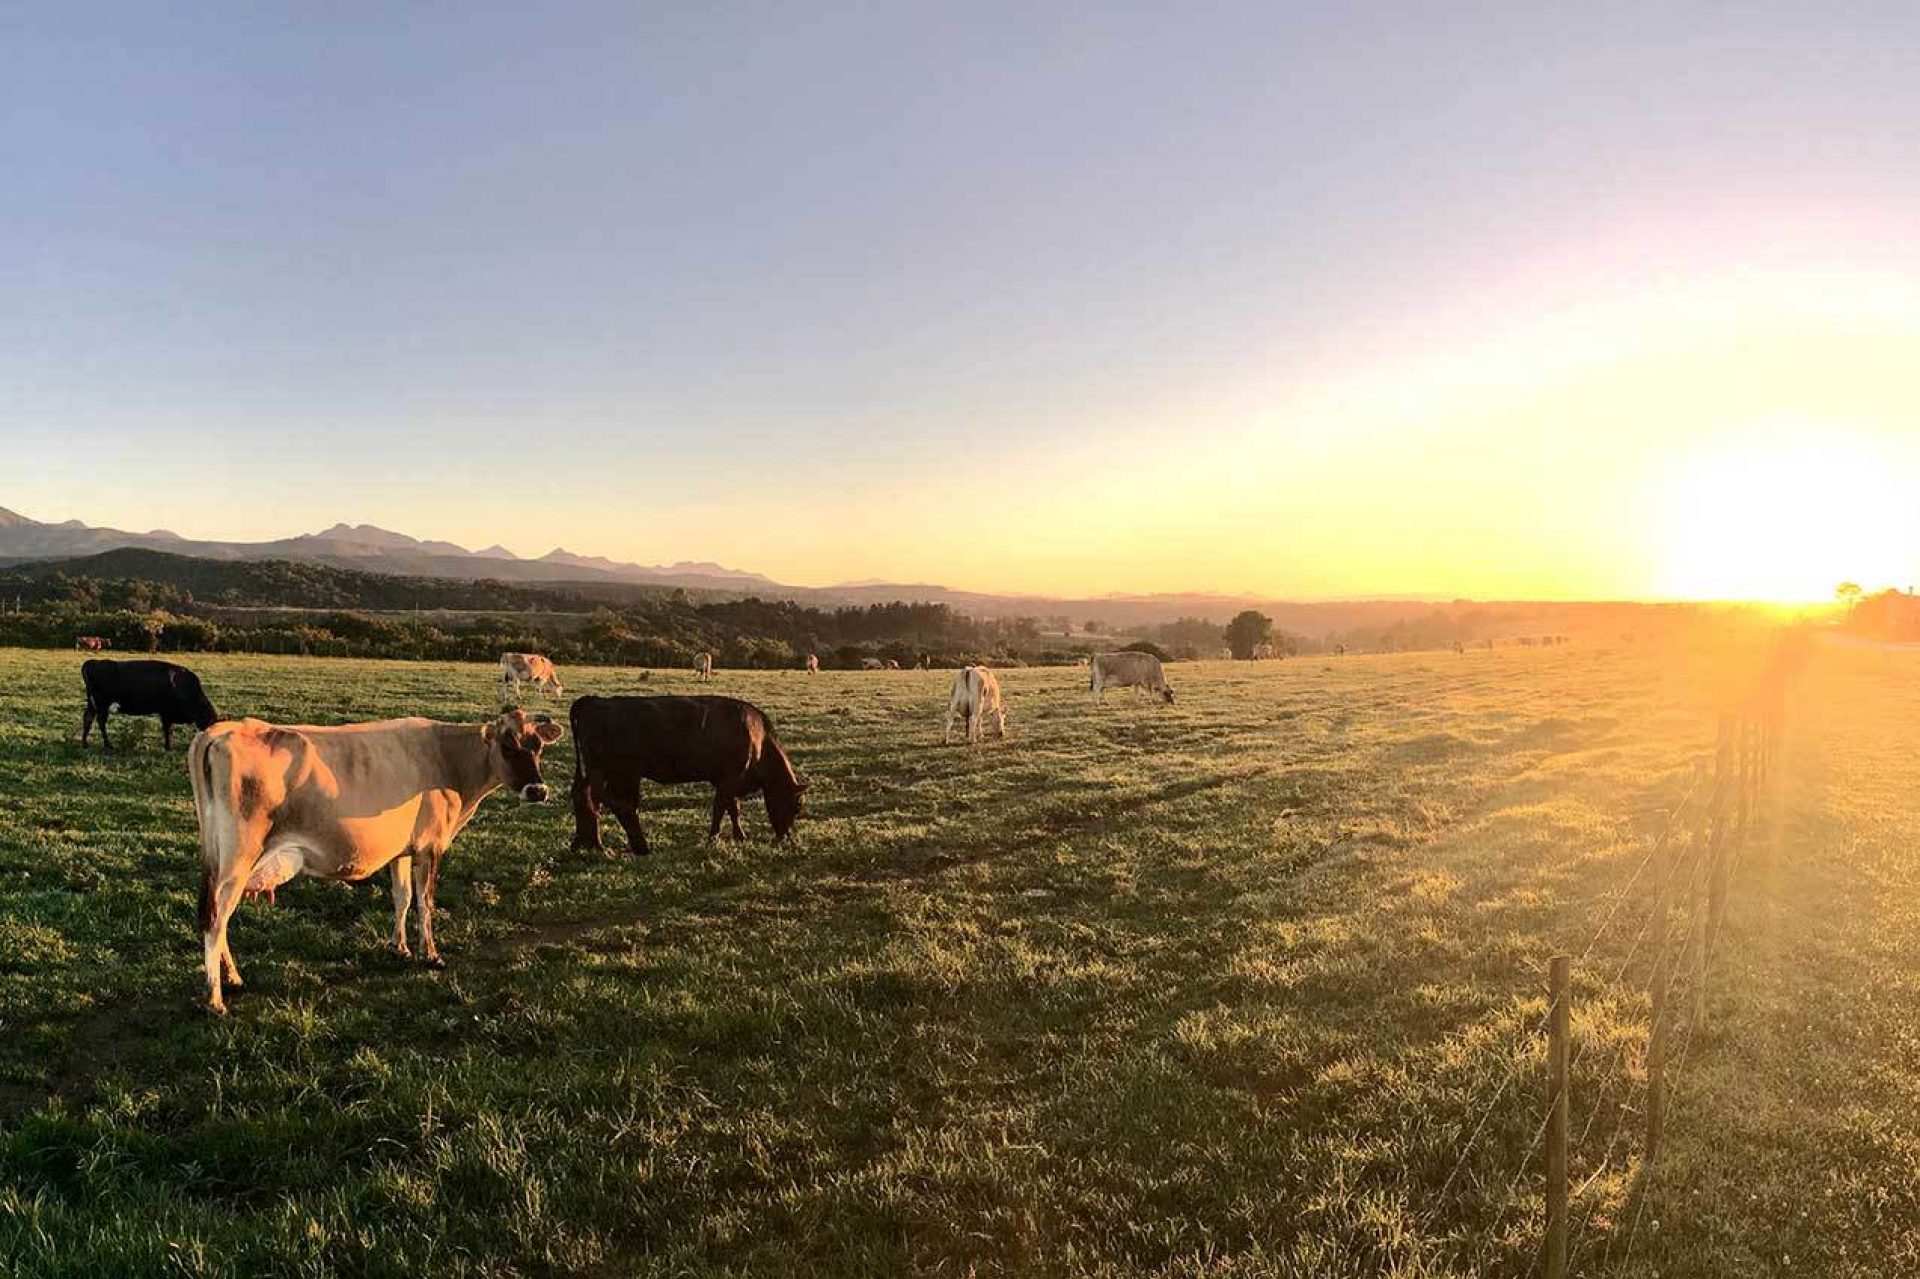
x=534 y=793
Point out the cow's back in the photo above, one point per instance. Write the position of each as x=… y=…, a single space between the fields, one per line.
x=142 y=687
x=668 y=739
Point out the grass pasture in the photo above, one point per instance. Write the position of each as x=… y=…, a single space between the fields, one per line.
x=1221 y=988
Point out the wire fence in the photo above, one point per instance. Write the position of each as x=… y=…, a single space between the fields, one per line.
x=1674 y=902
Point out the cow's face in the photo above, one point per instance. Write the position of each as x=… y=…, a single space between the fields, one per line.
x=784 y=807
x=1166 y=695
x=517 y=739
x=200 y=709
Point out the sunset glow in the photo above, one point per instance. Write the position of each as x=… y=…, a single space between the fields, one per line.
x=1105 y=318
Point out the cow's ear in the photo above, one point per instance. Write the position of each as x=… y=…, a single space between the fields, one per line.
x=486 y=733
x=549 y=732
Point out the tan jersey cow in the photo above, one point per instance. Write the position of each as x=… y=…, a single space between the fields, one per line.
x=530 y=668
x=703 y=665
x=1128 y=670
x=813 y=663
x=341 y=803
x=976 y=695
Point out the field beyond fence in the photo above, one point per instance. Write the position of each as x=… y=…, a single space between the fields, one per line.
x=1254 y=984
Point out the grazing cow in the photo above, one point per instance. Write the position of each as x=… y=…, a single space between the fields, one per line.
x=143 y=688
x=340 y=803
x=619 y=742
x=872 y=664
x=531 y=668
x=813 y=664
x=976 y=695
x=703 y=665
x=892 y=664
x=1226 y=655
x=92 y=644
x=1263 y=652
x=1128 y=669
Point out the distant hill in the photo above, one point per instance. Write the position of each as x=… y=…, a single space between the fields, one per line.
x=370 y=548
x=564 y=579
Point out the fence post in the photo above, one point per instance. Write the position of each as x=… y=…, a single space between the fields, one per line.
x=1696 y=891
x=1557 y=983
x=1746 y=776
x=1657 y=989
x=1723 y=784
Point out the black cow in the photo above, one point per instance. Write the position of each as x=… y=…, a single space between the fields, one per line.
x=143 y=688
x=618 y=742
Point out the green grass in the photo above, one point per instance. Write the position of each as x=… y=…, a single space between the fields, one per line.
x=1220 y=988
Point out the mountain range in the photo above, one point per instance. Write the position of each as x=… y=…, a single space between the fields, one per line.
x=372 y=549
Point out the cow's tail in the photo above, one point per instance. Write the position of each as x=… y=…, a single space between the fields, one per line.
x=208 y=767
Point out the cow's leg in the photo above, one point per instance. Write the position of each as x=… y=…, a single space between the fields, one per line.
x=719 y=811
x=624 y=800
x=402 y=898
x=423 y=885
x=86 y=722
x=106 y=743
x=219 y=899
x=1000 y=718
x=948 y=735
x=733 y=816
x=166 y=732
x=586 y=818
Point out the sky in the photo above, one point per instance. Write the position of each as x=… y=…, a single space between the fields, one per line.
x=1310 y=301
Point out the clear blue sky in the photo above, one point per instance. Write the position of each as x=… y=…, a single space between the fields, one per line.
x=1041 y=296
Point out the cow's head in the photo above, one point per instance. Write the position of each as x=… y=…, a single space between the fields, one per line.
x=784 y=806
x=517 y=739
x=1166 y=694
x=187 y=687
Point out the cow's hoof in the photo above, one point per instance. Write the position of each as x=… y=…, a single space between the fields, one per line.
x=434 y=962
x=218 y=1007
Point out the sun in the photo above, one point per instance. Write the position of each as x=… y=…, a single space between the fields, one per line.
x=1787 y=516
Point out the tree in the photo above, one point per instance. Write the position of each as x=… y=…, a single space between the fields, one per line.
x=1093 y=626
x=1247 y=632
x=1848 y=593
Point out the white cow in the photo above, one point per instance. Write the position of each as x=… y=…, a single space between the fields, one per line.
x=703 y=665
x=1128 y=670
x=813 y=663
x=531 y=668
x=976 y=695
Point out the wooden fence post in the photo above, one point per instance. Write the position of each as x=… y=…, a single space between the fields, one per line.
x=1557 y=1022
x=1723 y=784
x=1697 y=891
x=1657 y=989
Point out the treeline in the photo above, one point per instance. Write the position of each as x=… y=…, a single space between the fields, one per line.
x=1887 y=615
x=280 y=607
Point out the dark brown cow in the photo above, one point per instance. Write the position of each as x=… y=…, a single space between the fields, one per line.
x=618 y=742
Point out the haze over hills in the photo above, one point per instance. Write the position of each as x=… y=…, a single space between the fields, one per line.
x=68 y=546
